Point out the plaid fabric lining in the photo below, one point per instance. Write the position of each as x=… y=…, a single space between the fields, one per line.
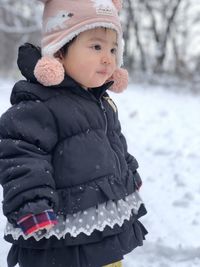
x=34 y=222
x=137 y=180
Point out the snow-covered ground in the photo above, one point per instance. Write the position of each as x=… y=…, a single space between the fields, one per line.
x=163 y=132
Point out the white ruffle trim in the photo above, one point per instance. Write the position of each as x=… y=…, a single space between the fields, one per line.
x=94 y=218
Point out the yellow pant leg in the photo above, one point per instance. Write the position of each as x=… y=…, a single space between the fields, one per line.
x=116 y=264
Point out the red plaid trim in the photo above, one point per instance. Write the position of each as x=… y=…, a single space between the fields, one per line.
x=138 y=185
x=34 y=222
x=137 y=180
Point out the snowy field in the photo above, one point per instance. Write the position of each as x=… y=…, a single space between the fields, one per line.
x=163 y=132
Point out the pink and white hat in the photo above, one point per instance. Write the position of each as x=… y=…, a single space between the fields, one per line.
x=65 y=19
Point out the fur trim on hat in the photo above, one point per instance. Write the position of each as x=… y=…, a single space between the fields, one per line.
x=49 y=71
x=120 y=78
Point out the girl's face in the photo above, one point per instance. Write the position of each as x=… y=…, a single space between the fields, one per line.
x=91 y=58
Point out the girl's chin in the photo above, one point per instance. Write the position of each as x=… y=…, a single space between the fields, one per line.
x=95 y=84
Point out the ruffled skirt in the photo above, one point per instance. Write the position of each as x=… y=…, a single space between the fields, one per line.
x=96 y=249
x=109 y=250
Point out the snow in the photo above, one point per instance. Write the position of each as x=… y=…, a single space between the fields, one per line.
x=163 y=132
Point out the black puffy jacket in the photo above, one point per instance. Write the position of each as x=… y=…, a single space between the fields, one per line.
x=61 y=147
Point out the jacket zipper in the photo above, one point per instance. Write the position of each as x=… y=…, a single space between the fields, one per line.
x=104 y=113
x=106 y=129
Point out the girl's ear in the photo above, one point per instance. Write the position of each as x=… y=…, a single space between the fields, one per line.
x=59 y=56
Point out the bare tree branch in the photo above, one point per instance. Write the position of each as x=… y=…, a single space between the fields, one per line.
x=153 y=20
x=133 y=18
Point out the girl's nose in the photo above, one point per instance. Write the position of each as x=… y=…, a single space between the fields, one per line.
x=106 y=59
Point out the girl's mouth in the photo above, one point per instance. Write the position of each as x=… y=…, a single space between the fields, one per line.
x=103 y=72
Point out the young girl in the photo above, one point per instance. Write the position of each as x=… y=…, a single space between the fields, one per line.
x=70 y=186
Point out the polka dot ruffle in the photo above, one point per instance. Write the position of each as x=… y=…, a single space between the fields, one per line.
x=94 y=218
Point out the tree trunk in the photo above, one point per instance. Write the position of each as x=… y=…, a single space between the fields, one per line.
x=135 y=23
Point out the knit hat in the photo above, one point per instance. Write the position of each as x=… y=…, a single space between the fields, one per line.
x=65 y=19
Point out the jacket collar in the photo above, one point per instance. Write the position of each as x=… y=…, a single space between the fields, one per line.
x=95 y=93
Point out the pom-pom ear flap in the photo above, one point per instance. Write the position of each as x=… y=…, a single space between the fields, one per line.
x=118 y=4
x=120 y=78
x=49 y=71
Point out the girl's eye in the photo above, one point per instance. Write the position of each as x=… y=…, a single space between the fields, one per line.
x=97 y=47
x=114 y=51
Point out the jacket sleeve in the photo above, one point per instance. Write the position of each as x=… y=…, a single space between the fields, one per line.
x=27 y=136
x=130 y=159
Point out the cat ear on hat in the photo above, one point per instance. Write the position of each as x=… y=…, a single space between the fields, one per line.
x=118 y=4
